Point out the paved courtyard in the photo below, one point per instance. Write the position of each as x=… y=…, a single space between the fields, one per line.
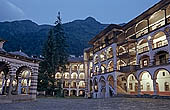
x=90 y=104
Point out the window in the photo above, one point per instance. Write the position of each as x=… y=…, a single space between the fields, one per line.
x=163 y=73
x=166 y=86
x=131 y=86
x=145 y=62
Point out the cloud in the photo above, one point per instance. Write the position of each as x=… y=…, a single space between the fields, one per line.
x=9 y=11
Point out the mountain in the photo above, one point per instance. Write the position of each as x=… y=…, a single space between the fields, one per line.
x=29 y=37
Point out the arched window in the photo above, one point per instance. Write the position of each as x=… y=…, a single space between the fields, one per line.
x=120 y=63
x=168 y=13
x=96 y=59
x=157 y=20
x=81 y=76
x=103 y=68
x=66 y=84
x=81 y=68
x=110 y=66
x=73 y=84
x=109 y=53
x=143 y=46
x=121 y=50
x=146 y=82
x=102 y=56
x=141 y=28
x=82 y=84
x=74 y=67
x=96 y=70
x=66 y=75
x=74 y=75
x=58 y=75
x=159 y=40
x=130 y=32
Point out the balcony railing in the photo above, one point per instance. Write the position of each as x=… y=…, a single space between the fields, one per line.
x=144 y=49
x=110 y=69
x=157 y=25
x=160 y=44
x=161 y=62
x=142 y=32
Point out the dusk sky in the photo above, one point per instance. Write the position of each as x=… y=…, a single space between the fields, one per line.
x=45 y=11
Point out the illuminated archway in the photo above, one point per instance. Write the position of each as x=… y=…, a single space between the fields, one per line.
x=146 y=83
x=22 y=82
x=162 y=77
x=132 y=84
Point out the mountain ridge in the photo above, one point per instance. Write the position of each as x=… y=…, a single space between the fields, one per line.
x=29 y=37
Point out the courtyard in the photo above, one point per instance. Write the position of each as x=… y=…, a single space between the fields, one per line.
x=90 y=104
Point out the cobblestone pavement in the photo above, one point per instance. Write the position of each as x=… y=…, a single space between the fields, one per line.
x=90 y=104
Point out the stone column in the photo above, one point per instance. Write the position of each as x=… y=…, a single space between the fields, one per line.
x=167 y=32
x=19 y=86
x=3 y=83
x=114 y=46
x=150 y=52
x=77 y=88
x=115 y=83
x=10 y=84
x=34 y=80
x=139 y=87
x=107 y=89
x=69 y=91
x=154 y=87
x=99 y=90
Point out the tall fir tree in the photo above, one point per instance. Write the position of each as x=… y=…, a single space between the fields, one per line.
x=55 y=58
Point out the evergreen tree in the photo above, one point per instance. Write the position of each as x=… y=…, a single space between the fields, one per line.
x=55 y=58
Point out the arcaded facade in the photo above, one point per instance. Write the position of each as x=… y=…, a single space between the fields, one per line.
x=132 y=59
x=73 y=79
x=18 y=75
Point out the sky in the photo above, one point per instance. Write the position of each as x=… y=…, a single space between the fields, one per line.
x=45 y=11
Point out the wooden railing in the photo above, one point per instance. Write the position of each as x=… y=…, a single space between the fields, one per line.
x=161 y=62
x=144 y=49
x=160 y=44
